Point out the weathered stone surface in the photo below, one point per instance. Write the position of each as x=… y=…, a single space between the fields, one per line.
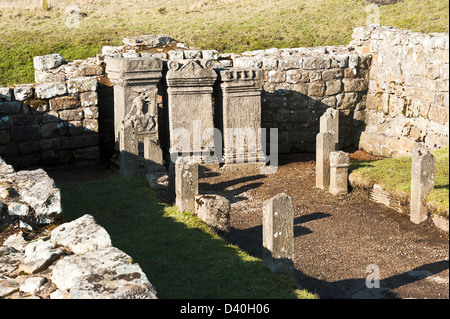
x=214 y=210
x=190 y=105
x=64 y=102
x=186 y=184
x=50 y=89
x=82 y=84
x=36 y=200
x=278 y=234
x=422 y=183
x=339 y=164
x=38 y=256
x=6 y=94
x=81 y=236
x=32 y=285
x=324 y=146
x=47 y=62
x=83 y=277
x=329 y=123
x=84 y=269
x=23 y=92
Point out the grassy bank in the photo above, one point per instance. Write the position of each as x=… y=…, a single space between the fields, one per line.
x=394 y=174
x=225 y=25
x=180 y=256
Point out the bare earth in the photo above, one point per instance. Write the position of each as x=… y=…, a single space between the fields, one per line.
x=336 y=238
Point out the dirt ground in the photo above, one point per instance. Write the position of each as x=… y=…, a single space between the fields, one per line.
x=336 y=238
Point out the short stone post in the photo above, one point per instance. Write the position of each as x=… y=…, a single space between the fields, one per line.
x=339 y=163
x=324 y=146
x=186 y=184
x=422 y=183
x=278 y=234
x=329 y=123
x=214 y=210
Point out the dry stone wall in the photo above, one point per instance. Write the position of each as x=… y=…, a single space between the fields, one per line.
x=55 y=120
x=408 y=94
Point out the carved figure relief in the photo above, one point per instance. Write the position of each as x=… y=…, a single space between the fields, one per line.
x=141 y=115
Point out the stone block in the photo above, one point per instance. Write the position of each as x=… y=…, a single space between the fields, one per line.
x=278 y=234
x=64 y=102
x=325 y=144
x=82 y=84
x=333 y=87
x=23 y=92
x=329 y=122
x=422 y=183
x=71 y=115
x=316 y=89
x=186 y=184
x=89 y=99
x=214 y=210
x=50 y=89
x=210 y=55
x=25 y=133
x=339 y=164
x=47 y=62
x=10 y=107
x=6 y=94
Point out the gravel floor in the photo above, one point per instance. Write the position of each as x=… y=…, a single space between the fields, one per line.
x=337 y=238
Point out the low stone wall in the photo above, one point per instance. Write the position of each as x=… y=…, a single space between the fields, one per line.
x=299 y=84
x=76 y=260
x=408 y=94
x=55 y=120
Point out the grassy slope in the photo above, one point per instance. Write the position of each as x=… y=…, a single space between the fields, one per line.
x=395 y=175
x=181 y=258
x=225 y=25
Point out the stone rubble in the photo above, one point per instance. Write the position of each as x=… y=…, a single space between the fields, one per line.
x=75 y=261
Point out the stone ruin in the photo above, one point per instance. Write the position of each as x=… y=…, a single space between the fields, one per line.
x=76 y=260
x=155 y=107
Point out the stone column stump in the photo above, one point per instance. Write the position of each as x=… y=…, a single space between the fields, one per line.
x=339 y=164
x=278 y=234
x=422 y=183
x=186 y=184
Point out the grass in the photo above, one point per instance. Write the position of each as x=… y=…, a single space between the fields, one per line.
x=180 y=256
x=394 y=174
x=224 y=25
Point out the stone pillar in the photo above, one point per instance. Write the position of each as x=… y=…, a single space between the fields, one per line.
x=186 y=184
x=278 y=234
x=324 y=146
x=339 y=163
x=241 y=114
x=190 y=87
x=329 y=123
x=422 y=183
x=135 y=110
x=214 y=210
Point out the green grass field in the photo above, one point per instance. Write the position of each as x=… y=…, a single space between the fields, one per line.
x=224 y=25
x=394 y=174
x=178 y=253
